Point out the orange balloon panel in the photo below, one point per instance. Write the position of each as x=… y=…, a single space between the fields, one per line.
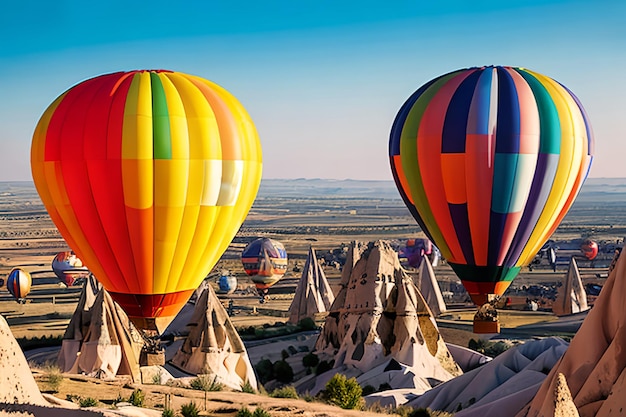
x=148 y=175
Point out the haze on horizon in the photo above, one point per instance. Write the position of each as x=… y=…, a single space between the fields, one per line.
x=322 y=81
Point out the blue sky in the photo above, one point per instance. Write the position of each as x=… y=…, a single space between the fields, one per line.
x=322 y=79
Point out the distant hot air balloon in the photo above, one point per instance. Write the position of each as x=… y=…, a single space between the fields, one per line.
x=415 y=249
x=488 y=161
x=589 y=248
x=68 y=267
x=265 y=261
x=18 y=283
x=227 y=284
x=148 y=175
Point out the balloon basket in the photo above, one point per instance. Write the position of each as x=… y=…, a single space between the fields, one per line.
x=486 y=326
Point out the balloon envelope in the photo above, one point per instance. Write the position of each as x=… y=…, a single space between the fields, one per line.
x=227 y=284
x=415 y=249
x=18 y=283
x=148 y=175
x=68 y=267
x=489 y=160
x=589 y=248
x=265 y=261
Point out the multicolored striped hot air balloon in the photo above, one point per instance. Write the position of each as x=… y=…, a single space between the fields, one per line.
x=489 y=160
x=265 y=261
x=148 y=175
x=19 y=283
x=68 y=267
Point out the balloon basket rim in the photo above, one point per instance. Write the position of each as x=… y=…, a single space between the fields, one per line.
x=486 y=326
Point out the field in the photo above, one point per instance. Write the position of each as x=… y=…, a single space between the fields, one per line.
x=325 y=214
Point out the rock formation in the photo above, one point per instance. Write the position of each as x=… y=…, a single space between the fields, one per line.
x=378 y=316
x=594 y=364
x=100 y=340
x=563 y=403
x=501 y=387
x=571 y=297
x=313 y=294
x=426 y=282
x=18 y=384
x=213 y=346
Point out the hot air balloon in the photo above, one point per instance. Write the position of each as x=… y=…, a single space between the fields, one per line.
x=489 y=160
x=148 y=175
x=265 y=261
x=589 y=248
x=18 y=283
x=68 y=267
x=227 y=283
x=415 y=249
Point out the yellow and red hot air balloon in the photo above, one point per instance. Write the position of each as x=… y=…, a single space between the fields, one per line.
x=68 y=267
x=148 y=175
x=489 y=160
x=19 y=283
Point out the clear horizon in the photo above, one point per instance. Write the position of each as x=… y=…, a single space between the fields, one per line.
x=322 y=81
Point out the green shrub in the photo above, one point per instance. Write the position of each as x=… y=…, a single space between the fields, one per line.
x=308 y=398
x=384 y=387
x=206 y=383
x=283 y=372
x=346 y=393
x=53 y=378
x=259 y=412
x=137 y=398
x=189 y=410
x=264 y=370
x=324 y=366
x=244 y=412
x=307 y=323
x=87 y=402
x=427 y=412
x=157 y=379
x=284 y=354
x=489 y=348
x=247 y=387
x=368 y=389
x=39 y=342
x=168 y=412
x=285 y=392
x=310 y=360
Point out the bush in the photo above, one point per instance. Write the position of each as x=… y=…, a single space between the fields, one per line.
x=324 y=366
x=264 y=370
x=53 y=378
x=87 y=402
x=346 y=393
x=189 y=410
x=206 y=383
x=310 y=360
x=307 y=323
x=284 y=392
x=284 y=354
x=247 y=387
x=368 y=389
x=384 y=387
x=427 y=412
x=137 y=398
x=259 y=412
x=168 y=412
x=489 y=348
x=39 y=342
x=283 y=372
x=244 y=412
